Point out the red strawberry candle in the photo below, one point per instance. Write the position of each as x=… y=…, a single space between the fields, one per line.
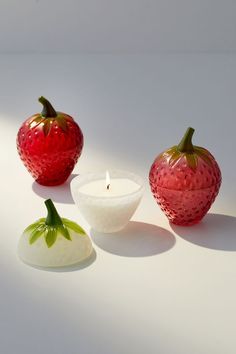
x=185 y=181
x=49 y=144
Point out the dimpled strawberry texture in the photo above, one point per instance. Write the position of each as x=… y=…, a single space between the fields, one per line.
x=183 y=194
x=50 y=158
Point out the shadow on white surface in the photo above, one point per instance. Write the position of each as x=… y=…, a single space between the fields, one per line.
x=73 y=268
x=138 y=239
x=216 y=231
x=59 y=194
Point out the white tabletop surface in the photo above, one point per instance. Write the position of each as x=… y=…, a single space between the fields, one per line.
x=152 y=288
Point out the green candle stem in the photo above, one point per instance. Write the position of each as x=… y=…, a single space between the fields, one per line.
x=48 y=110
x=186 y=144
x=53 y=218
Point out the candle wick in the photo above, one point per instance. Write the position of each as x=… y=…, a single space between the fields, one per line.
x=108 y=186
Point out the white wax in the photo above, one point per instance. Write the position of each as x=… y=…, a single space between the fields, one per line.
x=107 y=210
x=63 y=253
x=118 y=187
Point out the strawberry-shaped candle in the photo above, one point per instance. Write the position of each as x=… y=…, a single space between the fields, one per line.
x=185 y=181
x=54 y=241
x=49 y=144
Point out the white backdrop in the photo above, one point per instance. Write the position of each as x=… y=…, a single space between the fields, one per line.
x=153 y=288
x=111 y=26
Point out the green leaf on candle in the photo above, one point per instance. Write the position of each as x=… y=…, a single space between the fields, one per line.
x=73 y=226
x=50 y=236
x=65 y=233
x=52 y=227
x=37 y=232
x=32 y=227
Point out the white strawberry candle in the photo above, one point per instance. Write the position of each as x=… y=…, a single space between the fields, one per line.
x=107 y=204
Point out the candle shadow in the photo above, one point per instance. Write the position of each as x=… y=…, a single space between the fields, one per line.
x=59 y=194
x=138 y=239
x=216 y=231
x=73 y=268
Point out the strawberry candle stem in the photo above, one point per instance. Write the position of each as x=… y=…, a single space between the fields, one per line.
x=53 y=218
x=186 y=143
x=48 y=110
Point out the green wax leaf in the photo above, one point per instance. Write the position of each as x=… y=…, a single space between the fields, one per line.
x=36 y=234
x=38 y=119
x=192 y=161
x=65 y=233
x=203 y=154
x=73 y=226
x=50 y=236
x=61 y=121
x=170 y=150
x=47 y=126
x=32 y=227
x=174 y=157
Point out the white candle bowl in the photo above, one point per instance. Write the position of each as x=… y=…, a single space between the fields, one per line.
x=108 y=213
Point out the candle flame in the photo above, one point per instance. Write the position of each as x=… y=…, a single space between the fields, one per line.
x=108 y=180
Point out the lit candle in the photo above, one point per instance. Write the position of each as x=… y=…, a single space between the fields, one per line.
x=107 y=203
x=108 y=180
